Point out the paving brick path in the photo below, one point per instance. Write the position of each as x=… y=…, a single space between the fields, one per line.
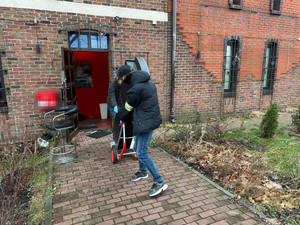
x=92 y=190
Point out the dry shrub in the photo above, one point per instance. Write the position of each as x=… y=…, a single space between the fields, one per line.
x=205 y=148
x=230 y=165
x=16 y=163
x=296 y=119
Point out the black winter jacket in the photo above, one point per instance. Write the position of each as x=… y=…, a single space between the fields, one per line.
x=142 y=96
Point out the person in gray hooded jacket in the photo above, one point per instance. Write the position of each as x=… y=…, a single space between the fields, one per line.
x=112 y=97
x=142 y=103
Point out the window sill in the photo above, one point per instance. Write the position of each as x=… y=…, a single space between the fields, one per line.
x=229 y=94
x=90 y=49
x=236 y=7
x=267 y=92
x=275 y=12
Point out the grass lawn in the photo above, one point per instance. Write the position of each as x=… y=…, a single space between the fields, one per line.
x=280 y=153
x=39 y=184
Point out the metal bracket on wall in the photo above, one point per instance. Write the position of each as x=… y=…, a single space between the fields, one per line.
x=5 y=71
x=87 y=27
x=6 y=89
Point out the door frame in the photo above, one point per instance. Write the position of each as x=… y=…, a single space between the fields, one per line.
x=68 y=90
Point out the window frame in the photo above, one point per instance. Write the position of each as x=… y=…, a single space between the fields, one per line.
x=274 y=11
x=89 y=33
x=272 y=70
x=234 y=69
x=232 y=5
x=3 y=101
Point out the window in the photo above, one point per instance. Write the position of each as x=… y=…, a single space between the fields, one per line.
x=231 y=64
x=276 y=6
x=87 y=39
x=270 y=65
x=236 y=4
x=3 y=102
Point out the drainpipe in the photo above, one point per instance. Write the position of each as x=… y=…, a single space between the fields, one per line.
x=173 y=60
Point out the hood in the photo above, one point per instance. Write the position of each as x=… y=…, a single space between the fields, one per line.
x=139 y=77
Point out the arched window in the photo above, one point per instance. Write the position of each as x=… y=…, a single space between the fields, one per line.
x=87 y=40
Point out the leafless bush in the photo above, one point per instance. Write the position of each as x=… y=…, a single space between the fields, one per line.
x=205 y=146
x=215 y=131
x=16 y=163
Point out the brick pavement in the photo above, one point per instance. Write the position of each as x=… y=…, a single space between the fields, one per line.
x=92 y=190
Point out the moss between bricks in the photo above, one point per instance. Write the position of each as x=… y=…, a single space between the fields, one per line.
x=41 y=206
x=48 y=205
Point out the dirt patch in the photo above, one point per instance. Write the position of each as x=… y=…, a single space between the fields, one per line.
x=253 y=120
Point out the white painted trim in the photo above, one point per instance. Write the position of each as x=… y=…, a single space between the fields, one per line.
x=88 y=9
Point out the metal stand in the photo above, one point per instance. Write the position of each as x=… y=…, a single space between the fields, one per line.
x=63 y=156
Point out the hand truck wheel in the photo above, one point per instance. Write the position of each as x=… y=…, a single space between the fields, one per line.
x=114 y=154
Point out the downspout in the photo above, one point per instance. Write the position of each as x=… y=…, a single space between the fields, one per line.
x=174 y=18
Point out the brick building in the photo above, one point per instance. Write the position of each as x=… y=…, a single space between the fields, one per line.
x=237 y=55
x=44 y=43
x=232 y=56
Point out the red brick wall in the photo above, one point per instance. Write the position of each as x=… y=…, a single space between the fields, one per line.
x=287 y=89
x=28 y=71
x=254 y=25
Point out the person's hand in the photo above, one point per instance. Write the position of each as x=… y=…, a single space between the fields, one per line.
x=121 y=121
x=116 y=109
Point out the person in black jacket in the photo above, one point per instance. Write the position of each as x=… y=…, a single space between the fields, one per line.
x=142 y=104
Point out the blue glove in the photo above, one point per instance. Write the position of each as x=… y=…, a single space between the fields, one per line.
x=121 y=121
x=116 y=109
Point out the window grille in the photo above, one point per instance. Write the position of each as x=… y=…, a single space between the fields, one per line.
x=88 y=40
x=276 y=6
x=231 y=64
x=270 y=65
x=3 y=102
x=236 y=4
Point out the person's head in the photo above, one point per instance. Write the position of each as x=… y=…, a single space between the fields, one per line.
x=123 y=72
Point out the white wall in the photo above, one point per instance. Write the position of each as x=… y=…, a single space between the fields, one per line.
x=88 y=9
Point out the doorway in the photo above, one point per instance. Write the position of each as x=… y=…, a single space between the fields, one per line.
x=91 y=82
x=86 y=75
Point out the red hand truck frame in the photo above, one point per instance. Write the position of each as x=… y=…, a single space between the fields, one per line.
x=116 y=154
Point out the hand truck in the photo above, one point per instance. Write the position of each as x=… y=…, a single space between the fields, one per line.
x=116 y=151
